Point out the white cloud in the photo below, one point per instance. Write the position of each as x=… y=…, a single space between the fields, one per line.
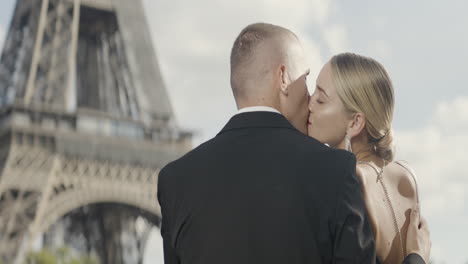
x=438 y=154
x=436 y=252
x=320 y=10
x=379 y=22
x=380 y=49
x=335 y=37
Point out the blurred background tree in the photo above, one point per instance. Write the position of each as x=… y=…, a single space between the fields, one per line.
x=61 y=255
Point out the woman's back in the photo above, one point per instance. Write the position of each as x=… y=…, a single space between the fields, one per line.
x=389 y=200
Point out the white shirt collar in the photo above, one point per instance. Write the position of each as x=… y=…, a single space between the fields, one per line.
x=259 y=108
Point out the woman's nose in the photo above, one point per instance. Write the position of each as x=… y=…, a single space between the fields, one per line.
x=311 y=104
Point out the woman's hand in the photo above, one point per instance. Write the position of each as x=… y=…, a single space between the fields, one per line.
x=418 y=237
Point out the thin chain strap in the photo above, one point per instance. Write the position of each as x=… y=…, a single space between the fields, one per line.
x=389 y=202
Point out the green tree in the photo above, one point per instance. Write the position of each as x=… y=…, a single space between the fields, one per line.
x=41 y=257
x=59 y=256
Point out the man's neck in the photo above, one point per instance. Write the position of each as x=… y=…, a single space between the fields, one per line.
x=258 y=108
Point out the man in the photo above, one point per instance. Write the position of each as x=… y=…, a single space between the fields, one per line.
x=262 y=191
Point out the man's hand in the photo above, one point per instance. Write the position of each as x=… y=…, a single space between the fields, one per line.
x=418 y=238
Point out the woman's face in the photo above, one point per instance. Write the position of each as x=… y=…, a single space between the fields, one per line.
x=328 y=119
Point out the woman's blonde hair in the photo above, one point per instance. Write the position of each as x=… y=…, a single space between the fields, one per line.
x=364 y=86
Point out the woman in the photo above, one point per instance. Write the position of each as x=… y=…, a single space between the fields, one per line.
x=352 y=109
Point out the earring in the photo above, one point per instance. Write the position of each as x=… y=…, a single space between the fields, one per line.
x=348 y=143
x=284 y=90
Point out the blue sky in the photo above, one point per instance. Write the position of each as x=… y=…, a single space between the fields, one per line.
x=423 y=45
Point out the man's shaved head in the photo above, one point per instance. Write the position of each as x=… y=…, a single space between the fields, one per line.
x=255 y=51
x=269 y=68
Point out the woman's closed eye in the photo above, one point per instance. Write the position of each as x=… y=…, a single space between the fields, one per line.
x=321 y=96
x=319 y=100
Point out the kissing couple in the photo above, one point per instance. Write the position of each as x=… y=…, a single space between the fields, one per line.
x=295 y=178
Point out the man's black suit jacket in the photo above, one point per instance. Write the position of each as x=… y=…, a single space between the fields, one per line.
x=262 y=192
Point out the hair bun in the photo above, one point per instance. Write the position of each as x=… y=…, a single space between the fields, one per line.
x=384 y=146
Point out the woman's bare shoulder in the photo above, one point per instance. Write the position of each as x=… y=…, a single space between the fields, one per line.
x=367 y=176
x=405 y=178
x=361 y=173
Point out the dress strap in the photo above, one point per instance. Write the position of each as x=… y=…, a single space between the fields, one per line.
x=389 y=202
x=406 y=166
x=379 y=173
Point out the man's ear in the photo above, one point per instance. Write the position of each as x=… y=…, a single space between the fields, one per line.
x=284 y=80
x=356 y=125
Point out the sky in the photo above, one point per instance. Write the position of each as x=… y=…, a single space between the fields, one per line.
x=422 y=44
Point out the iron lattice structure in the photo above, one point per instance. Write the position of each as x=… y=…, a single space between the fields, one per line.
x=85 y=117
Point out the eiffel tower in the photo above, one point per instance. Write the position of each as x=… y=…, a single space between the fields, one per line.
x=85 y=117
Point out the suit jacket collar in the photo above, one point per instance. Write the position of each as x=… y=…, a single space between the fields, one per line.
x=257 y=120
